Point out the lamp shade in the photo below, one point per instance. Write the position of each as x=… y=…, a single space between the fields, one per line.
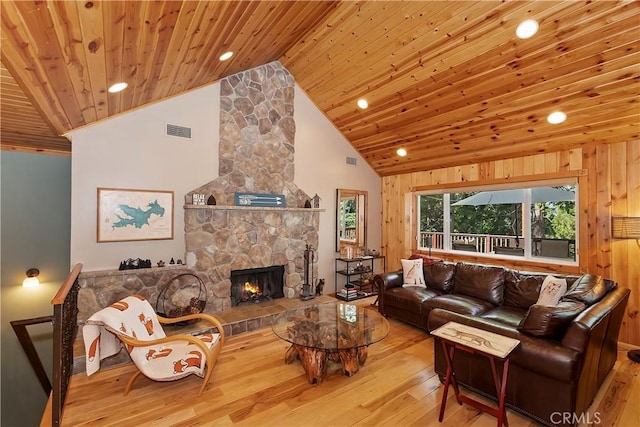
x=31 y=282
x=625 y=227
x=32 y=278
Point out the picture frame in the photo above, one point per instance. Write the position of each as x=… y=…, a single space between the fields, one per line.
x=132 y=214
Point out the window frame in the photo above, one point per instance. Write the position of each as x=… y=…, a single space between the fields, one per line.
x=446 y=190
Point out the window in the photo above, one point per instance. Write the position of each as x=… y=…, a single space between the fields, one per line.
x=347 y=219
x=534 y=222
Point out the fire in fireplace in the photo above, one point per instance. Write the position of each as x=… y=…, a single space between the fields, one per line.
x=250 y=292
x=255 y=285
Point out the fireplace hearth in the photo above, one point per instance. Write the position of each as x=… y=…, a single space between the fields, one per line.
x=254 y=285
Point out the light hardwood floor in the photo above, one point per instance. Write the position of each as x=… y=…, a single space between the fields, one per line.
x=252 y=386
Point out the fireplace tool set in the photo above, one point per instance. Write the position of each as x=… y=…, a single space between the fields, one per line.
x=307 y=287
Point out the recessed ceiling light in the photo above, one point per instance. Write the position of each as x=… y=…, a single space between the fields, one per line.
x=401 y=152
x=556 y=117
x=527 y=29
x=362 y=103
x=226 y=56
x=117 y=87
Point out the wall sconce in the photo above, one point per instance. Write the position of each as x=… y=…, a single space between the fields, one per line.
x=32 y=278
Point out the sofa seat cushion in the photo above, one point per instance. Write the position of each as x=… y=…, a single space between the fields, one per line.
x=462 y=304
x=480 y=281
x=510 y=316
x=409 y=298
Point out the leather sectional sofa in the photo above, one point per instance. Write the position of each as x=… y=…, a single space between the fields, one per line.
x=565 y=351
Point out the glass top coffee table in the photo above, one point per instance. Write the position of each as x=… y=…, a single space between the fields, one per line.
x=336 y=332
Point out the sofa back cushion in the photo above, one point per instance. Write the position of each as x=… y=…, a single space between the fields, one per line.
x=522 y=290
x=440 y=276
x=588 y=289
x=480 y=281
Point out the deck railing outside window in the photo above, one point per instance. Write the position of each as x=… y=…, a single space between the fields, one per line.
x=499 y=244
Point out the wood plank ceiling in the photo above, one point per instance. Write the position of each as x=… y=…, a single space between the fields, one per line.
x=447 y=81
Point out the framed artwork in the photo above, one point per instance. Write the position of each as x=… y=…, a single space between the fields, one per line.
x=129 y=214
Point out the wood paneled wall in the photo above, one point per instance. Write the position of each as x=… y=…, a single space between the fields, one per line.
x=609 y=185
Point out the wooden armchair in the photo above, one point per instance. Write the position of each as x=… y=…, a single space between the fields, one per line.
x=133 y=322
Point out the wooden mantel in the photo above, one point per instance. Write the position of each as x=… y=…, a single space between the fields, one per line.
x=252 y=208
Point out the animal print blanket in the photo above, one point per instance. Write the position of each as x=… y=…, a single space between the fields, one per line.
x=134 y=317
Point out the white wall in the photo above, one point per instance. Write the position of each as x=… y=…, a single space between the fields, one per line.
x=131 y=151
x=321 y=168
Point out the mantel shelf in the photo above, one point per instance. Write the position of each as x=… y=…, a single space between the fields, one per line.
x=134 y=271
x=252 y=208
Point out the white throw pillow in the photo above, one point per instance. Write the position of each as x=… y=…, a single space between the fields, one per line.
x=412 y=272
x=552 y=290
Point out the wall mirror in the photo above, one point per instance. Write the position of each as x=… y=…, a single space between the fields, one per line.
x=351 y=218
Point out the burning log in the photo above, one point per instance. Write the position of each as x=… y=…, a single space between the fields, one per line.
x=250 y=292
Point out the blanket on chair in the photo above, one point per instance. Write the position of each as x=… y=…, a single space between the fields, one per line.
x=134 y=317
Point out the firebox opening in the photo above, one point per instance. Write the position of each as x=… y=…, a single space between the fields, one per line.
x=255 y=285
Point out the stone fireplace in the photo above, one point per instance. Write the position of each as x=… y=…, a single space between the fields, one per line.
x=256 y=155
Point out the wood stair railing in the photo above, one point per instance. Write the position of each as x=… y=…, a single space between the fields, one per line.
x=65 y=327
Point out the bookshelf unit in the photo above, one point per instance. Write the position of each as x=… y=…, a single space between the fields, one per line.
x=350 y=283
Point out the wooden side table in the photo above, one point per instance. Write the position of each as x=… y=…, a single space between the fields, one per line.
x=455 y=336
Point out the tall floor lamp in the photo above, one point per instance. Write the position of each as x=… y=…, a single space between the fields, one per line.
x=627 y=227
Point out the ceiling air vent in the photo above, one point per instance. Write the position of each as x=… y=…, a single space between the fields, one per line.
x=179 y=131
x=351 y=161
